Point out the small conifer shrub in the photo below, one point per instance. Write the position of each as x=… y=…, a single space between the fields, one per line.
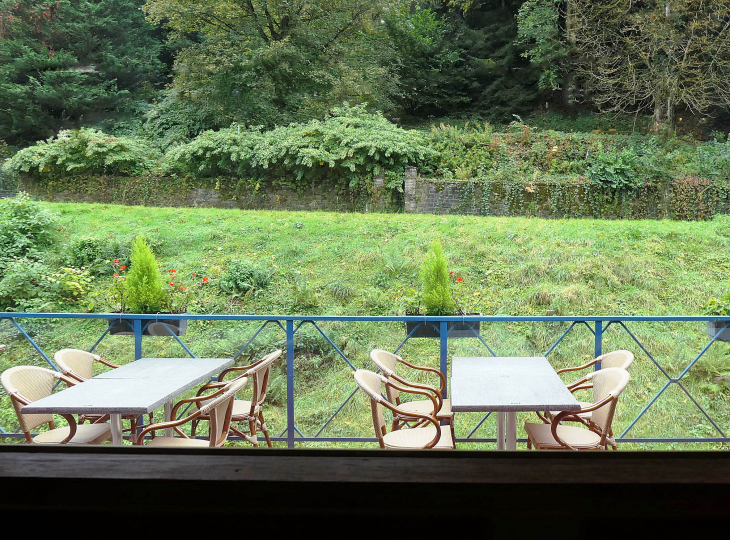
x=144 y=285
x=436 y=287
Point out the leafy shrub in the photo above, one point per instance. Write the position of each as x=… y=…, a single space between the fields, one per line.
x=84 y=151
x=34 y=286
x=97 y=254
x=144 y=285
x=242 y=277
x=436 y=287
x=25 y=229
x=616 y=170
x=348 y=147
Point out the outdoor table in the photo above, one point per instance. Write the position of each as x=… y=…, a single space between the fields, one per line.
x=137 y=388
x=507 y=385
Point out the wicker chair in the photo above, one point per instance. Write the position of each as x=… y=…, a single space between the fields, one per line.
x=387 y=363
x=250 y=411
x=217 y=407
x=620 y=359
x=429 y=434
x=607 y=387
x=79 y=365
x=26 y=384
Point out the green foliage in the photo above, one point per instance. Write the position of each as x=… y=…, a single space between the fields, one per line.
x=436 y=293
x=66 y=62
x=26 y=228
x=83 y=152
x=539 y=31
x=265 y=61
x=243 y=277
x=616 y=170
x=144 y=285
x=433 y=74
x=35 y=286
x=348 y=148
x=97 y=254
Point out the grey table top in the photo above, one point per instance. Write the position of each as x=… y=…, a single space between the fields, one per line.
x=157 y=368
x=136 y=388
x=508 y=384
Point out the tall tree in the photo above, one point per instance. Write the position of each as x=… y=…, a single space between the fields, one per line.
x=263 y=60
x=65 y=61
x=654 y=55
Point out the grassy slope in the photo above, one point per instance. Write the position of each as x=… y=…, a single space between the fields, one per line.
x=363 y=264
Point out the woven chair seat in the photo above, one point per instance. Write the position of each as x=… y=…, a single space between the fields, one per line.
x=85 y=434
x=426 y=407
x=178 y=442
x=418 y=438
x=576 y=437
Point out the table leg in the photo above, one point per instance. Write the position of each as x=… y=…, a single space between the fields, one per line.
x=511 y=431
x=168 y=413
x=115 y=423
x=500 y=431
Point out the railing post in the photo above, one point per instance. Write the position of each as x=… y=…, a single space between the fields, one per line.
x=444 y=351
x=137 y=339
x=290 y=431
x=598 y=343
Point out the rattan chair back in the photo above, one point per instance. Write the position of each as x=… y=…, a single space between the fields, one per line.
x=32 y=383
x=386 y=362
x=259 y=374
x=620 y=359
x=75 y=361
x=219 y=411
x=609 y=382
x=371 y=383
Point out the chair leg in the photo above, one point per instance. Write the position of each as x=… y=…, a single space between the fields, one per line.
x=252 y=427
x=265 y=430
x=193 y=428
x=133 y=430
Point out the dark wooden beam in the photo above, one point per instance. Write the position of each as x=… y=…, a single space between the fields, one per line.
x=503 y=491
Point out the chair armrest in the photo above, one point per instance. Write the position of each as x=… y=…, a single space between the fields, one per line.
x=567 y=414
x=239 y=368
x=107 y=362
x=428 y=393
x=71 y=427
x=578 y=368
x=425 y=417
x=163 y=425
x=426 y=368
x=439 y=396
x=196 y=399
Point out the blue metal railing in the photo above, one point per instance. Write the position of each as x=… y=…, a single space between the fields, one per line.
x=291 y=324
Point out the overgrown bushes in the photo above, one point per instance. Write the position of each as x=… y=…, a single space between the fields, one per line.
x=25 y=229
x=347 y=148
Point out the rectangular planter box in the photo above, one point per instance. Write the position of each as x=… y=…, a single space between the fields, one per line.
x=155 y=328
x=456 y=329
x=713 y=327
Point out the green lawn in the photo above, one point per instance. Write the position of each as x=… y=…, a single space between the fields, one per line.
x=355 y=264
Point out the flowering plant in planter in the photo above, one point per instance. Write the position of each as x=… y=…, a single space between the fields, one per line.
x=143 y=290
x=437 y=297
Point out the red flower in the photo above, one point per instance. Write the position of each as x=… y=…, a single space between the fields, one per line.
x=115 y=275
x=123 y=267
x=193 y=274
x=182 y=288
x=172 y=270
x=205 y=280
x=116 y=261
x=172 y=284
x=459 y=279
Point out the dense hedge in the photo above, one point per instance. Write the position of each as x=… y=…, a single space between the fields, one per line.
x=348 y=148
